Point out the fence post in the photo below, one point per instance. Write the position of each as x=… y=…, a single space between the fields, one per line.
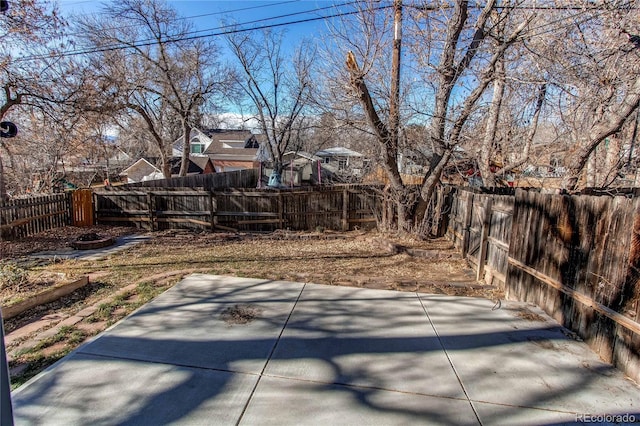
x=213 y=205
x=467 y=223
x=345 y=209
x=151 y=207
x=484 y=236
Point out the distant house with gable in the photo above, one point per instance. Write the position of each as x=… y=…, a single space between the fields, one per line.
x=341 y=160
x=228 y=150
x=147 y=169
x=141 y=170
x=336 y=164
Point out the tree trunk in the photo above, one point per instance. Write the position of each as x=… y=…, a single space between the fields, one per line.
x=488 y=144
x=427 y=190
x=612 y=161
x=186 y=149
x=591 y=172
x=166 y=164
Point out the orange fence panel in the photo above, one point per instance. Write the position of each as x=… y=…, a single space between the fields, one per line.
x=82 y=207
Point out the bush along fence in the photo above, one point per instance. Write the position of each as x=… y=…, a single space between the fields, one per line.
x=335 y=208
x=577 y=257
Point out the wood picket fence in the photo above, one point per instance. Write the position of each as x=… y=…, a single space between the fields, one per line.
x=23 y=217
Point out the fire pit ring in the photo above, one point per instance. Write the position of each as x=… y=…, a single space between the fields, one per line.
x=91 y=241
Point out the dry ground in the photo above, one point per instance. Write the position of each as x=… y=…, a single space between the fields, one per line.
x=122 y=282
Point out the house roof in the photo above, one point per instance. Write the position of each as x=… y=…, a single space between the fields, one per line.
x=231 y=156
x=142 y=162
x=195 y=166
x=230 y=135
x=236 y=143
x=302 y=154
x=231 y=142
x=200 y=161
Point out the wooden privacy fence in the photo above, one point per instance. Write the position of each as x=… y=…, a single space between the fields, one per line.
x=23 y=217
x=247 y=178
x=577 y=257
x=336 y=208
x=480 y=227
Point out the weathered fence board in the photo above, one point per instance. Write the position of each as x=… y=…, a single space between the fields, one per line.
x=572 y=256
x=577 y=257
x=336 y=208
x=23 y=217
x=212 y=182
x=82 y=207
x=480 y=227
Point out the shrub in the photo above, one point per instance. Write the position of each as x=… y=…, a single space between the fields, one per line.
x=12 y=275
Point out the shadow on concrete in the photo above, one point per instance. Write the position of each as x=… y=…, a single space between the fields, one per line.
x=344 y=331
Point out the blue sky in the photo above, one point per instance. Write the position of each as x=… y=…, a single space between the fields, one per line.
x=208 y=14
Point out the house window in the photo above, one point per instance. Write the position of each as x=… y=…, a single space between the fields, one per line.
x=342 y=164
x=196 y=146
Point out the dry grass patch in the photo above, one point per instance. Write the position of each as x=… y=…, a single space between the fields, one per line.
x=358 y=259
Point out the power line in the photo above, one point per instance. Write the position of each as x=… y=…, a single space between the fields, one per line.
x=181 y=18
x=150 y=42
x=237 y=28
x=287 y=15
x=192 y=34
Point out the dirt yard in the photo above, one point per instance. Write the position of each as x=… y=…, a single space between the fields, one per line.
x=122 y=282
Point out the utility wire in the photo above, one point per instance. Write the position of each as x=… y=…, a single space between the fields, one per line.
x=182 y=18
x=187 y=36
x=195 y=36
x=287 y=15
x=237 y=28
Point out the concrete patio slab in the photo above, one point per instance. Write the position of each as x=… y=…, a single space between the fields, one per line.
x=317 y=403
x=187 y=324
x=378 y=339
x=92 y=390
x=498 y=351
x=316 y=354
x=509 y=415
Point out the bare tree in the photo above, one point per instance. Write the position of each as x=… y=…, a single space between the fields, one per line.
x=449 y=49
x=595 y=87
x=278 y=86
x=514 y=108
x=29 y=75
x=148 y=63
